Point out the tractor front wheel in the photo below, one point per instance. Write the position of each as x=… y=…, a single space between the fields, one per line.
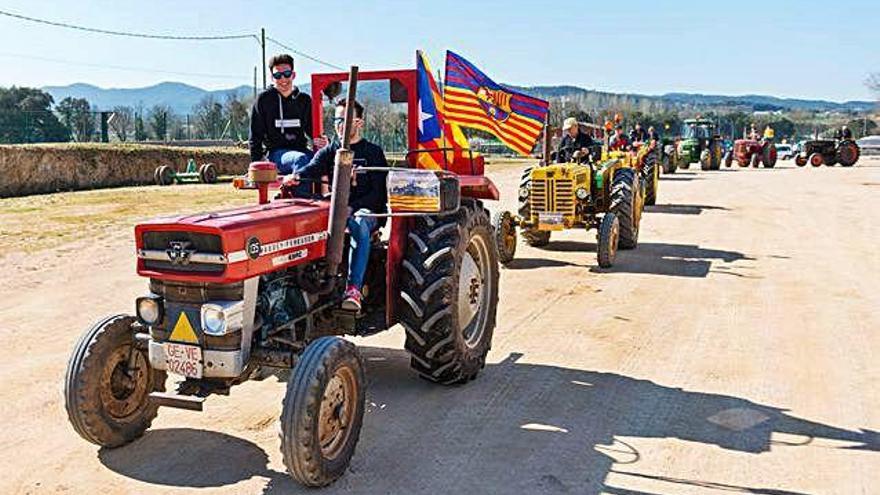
x=505 y=236
x=322 y=412
x=108 y=383
x=800 y=160
x=816 y=159
x=607 y=240
x=728 y=159
x=705 y=160
x=449 y=294
x=626 y=206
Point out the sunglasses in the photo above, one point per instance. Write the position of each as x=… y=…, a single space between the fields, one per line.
x=285 y=74
x=340 y=120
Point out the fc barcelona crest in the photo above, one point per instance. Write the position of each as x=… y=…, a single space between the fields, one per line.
x=495 y=102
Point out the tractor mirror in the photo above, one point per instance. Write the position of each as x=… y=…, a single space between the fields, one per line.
x=333 y=90
x=414 y=191
x=398 y=92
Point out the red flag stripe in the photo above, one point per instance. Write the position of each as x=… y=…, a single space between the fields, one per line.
x=466 y=98
x=493 y=128
x=454 y=111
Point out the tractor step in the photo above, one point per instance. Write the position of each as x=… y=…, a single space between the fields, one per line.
x=169 y=399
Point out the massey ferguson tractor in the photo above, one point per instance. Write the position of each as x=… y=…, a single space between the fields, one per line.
x=752 y=152
x=606 y=194
x=234 y=294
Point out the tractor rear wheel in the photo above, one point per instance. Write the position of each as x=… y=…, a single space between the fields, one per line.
x=755 y=161
x=716 y=155
x=449 y=293
x=728 y=159
x=652 y=178
x=164 y=175
x=769 y=155
x=208 y=173
x=607 y=240
x=816 y=159
x=322 y=412
x=505 y=236
x=626 y=205
x=848 y=154
x=800 y=160
x=107 y=401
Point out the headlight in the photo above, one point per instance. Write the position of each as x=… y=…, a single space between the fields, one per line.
x=149 y=309
x=221 y=318
x=523 y=192
x=582 y=193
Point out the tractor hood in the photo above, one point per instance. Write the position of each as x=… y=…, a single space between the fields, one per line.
x=232 y=245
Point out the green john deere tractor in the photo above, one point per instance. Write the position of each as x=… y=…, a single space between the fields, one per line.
x=700 y=143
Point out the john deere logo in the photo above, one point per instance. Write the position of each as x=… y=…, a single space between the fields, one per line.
x=495 y=102
x=179 y=253
x=254 y=248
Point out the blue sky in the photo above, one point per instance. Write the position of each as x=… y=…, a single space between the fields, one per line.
x=651 y=47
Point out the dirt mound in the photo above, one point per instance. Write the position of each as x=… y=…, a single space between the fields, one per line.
x=36 y=169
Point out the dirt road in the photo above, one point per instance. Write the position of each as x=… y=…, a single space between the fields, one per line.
x=734 y=350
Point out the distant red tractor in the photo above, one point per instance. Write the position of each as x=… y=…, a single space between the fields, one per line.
x=234 y=294
x=752 y=152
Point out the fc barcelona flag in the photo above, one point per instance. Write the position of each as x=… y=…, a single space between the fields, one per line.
x=471 y=99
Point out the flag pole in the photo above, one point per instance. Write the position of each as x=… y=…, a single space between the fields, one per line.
x=545 y=145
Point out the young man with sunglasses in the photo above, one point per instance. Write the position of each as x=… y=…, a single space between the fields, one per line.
x=281 y=121
x=368 y=195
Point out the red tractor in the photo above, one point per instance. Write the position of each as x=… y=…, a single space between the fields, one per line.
x=237 y=293
x=752 y=152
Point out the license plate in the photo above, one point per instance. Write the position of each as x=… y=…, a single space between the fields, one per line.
x=183 y=359
x=550 y=221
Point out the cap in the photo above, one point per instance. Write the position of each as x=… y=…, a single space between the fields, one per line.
x=569 y=123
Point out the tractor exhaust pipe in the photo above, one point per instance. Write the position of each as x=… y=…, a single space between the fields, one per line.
x=341 y=182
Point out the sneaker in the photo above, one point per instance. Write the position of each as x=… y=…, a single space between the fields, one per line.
x=352 y=301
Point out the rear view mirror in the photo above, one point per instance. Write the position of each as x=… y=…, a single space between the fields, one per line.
x=414 y=191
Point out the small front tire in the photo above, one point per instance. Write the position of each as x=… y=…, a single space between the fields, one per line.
x=607 y=239
x=505 y=236
x=322 y=412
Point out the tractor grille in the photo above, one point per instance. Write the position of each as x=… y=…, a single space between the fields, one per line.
x=202 y=243
x=552 y=196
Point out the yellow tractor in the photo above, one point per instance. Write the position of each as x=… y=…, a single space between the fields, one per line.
x=602 y=190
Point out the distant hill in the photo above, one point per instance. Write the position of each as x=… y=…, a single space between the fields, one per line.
x=181 y=97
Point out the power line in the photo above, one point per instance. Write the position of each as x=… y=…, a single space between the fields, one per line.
x=126 y=33
x=306 y=55
x=120 y=67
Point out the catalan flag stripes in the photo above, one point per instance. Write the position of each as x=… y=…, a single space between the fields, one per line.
x=472 y=99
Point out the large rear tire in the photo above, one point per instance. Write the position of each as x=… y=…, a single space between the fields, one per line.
x=848 y=154
x=449 y=294
x=652 y=178
x=107 y=403
x=505 y=236
x=769 y=155
x=323 y=411
x=626 y=205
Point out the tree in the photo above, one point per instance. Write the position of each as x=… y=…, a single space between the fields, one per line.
x=140 y=128
x=209 y=118
x=76 y=114
x=159 y=117
x=237 y=111
x=26 y=117
x=122 y=122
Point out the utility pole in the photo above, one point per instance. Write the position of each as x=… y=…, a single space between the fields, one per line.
x=263 y=61
x=255 y=82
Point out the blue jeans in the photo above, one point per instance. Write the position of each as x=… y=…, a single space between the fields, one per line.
x=288 y=161
x=360 y=229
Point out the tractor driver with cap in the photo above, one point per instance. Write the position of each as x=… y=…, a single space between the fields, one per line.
x=573 y=140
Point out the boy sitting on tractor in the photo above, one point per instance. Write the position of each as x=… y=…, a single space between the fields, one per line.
x=367 y=197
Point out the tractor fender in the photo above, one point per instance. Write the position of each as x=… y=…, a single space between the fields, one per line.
x=478 y=187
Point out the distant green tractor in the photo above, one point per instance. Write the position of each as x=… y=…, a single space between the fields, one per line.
x=700 y=143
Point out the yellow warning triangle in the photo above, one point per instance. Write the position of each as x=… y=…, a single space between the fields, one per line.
x=183 y=330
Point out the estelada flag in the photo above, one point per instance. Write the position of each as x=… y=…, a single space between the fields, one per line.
x=471 y=99
x=436 y=133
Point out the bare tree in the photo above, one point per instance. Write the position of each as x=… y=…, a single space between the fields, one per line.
x=122 y=122
x=159 y=119
x=209 y=118
x=873 y=83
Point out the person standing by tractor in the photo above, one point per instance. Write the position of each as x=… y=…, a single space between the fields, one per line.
x=368 y=195
x=573 y=140
x=281 y=121
x=653 y=135
x=844 y=134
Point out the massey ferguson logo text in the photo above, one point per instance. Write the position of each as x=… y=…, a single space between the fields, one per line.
x=178 y=252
